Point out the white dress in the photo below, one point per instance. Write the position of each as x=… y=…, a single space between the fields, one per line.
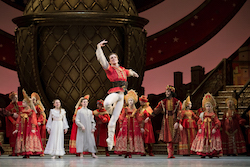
x=57 y=122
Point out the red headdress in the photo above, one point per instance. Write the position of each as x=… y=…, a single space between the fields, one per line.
x=100 y=102
x=143 y=98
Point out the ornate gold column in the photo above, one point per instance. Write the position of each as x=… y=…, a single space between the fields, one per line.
x=56 y=42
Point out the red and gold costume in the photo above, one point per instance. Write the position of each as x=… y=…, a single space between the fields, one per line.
x=41 y=117
x=27 y=142
x=102 y=118
x=118 y=76
x=207 y=143
x=129 y=140
x=101 y=133
x=233 y=141
x=169 y=108
x=188 y=121
x=72 y=141
x=13 y=107
x=148 y=135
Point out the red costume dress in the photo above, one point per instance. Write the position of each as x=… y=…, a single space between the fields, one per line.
x=233 y=141
x=129 y=140
x=206 y=143
x=148 y=135
x=101 y=133
x=72 y=141
x=27 y=142
x=169 y=108
x=41 y=117
x=188 y=120
x=11 y=122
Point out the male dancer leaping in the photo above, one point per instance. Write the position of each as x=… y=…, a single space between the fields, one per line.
x=118 y=76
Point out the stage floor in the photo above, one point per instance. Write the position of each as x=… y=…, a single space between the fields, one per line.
x=120 y=161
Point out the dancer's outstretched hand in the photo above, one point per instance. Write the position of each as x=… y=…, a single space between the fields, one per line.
x=102 y=43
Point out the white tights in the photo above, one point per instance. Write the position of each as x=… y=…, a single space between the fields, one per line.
x=110 y=100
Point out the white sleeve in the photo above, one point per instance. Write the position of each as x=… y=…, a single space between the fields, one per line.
x=77 y=121
x=49 y=122
x=101 y=57
x=65 y=122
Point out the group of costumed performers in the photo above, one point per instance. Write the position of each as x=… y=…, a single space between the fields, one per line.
x=129 y=129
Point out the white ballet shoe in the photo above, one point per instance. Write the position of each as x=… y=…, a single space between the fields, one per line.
x=110 y=144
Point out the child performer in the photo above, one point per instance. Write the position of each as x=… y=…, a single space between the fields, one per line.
x=57 y=126
x=102 y=118
x=28 y=140
x=41 y=117
x=148 y=135
x=233 y=141
x=188 y=127
x=85 y=141
x=129 y=140
x=208 y=139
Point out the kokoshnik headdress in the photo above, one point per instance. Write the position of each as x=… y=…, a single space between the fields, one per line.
x=131 y=95
x=208 y=98
x=231 y=99
x=28 y=100
x=186 y=102
x=38 y=100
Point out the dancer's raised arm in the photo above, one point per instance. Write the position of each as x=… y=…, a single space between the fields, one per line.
x=100 y=55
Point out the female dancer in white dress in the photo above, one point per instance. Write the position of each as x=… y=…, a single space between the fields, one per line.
x=56 y=125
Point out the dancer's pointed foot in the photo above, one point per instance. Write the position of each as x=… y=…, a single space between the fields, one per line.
x=110 y=144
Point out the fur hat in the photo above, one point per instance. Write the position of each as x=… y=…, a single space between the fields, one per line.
x=143 y=98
